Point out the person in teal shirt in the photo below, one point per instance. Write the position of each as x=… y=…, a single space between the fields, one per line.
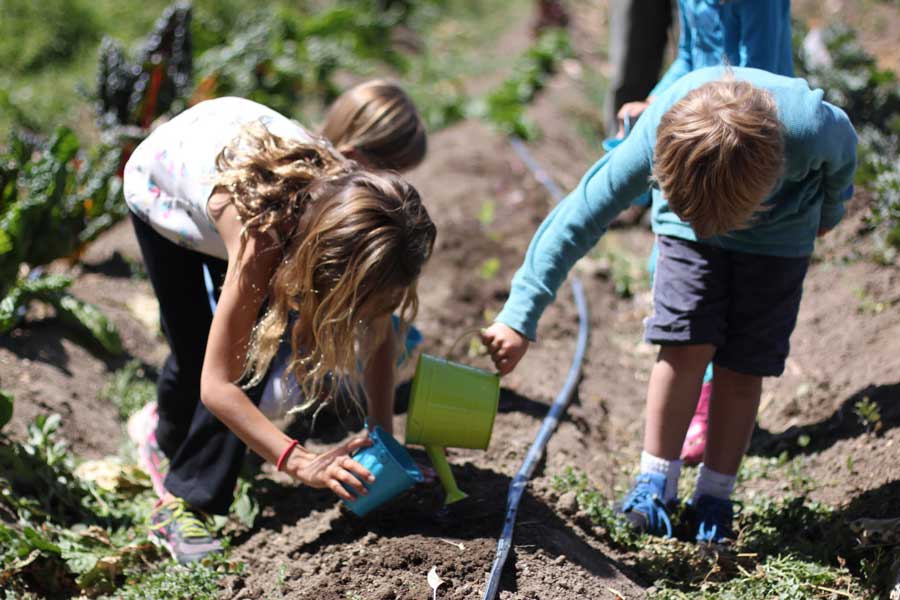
x=748 y=167
x=744 y=33
x=740 y=33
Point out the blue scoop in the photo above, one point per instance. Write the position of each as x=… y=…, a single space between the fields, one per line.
x=394 y=469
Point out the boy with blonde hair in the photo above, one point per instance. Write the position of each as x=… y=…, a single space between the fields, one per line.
x=747 y=167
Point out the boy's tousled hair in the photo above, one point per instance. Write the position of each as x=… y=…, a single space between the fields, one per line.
x=377 y=122
x=719 y=154
x=354 y=243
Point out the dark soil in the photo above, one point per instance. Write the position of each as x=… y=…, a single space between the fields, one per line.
x=305 y=545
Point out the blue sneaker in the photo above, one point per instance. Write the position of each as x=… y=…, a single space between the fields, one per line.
x=714 y=519
x=643 y=507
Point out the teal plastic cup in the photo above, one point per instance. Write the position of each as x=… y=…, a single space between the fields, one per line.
x=394 y=469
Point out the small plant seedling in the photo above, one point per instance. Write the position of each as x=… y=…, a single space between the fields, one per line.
x=489 y=268
x=487 y=214
x=868 y=414
x=129 y=389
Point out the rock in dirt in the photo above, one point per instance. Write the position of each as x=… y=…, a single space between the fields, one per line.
x=385 y=593
x=567 y=503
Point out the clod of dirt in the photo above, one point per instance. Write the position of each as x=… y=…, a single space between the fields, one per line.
x=567 y=504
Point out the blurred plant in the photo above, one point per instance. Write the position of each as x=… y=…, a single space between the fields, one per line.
x=505 y=106
x=132 y=95
x=129 y=389
x=852 y=80
x=53 y=201
x=283 y=56
x=6 y=408
x=57 y=31
x=70 y=533
x=489 y=268
x=850 y=77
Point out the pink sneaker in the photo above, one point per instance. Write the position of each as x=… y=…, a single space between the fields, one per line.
x=142 y=431
x=695 y=440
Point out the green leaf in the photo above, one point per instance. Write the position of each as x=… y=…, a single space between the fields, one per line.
x=6 y=408
x=77 y=312
x=40 y=542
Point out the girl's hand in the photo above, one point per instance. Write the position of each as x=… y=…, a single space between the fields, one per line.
x=331 y=469
x=506 y=345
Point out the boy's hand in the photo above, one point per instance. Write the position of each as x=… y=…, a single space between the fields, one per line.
x=506 y=345
x=332 y=468
x=822 y=231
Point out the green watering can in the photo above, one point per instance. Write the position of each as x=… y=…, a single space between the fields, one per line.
x=451 y=405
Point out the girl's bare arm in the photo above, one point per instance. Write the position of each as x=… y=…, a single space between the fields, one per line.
x=245 y=288
x=379 y=374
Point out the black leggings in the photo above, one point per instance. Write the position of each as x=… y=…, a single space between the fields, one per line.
x=205 y=456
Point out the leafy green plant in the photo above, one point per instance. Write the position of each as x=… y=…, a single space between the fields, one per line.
x=787 y=548
x=282 y=57
x=69 y=309
x=134 y=94
x=505 y=106
x=868 y=414
x=871 y=98
x=6 y=408
x=53 y=201
x=129 y=389
x=169 y=580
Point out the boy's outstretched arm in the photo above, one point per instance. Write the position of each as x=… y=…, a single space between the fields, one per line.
x=567 y=234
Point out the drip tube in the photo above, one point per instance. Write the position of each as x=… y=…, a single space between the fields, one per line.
x=560 y=403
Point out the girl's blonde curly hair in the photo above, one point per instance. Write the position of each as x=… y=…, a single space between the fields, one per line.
x=354 y=243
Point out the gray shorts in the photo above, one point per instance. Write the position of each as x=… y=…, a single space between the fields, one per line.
x=743 y=304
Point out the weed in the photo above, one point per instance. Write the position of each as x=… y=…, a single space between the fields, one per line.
x=486 y=214
x=790 y=548
x=868 y=305
x=505 y=106
x=129 y=389
x=169 y=580
x=868 y=414
x=489 y=268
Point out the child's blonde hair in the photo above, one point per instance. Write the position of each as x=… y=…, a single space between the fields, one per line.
x=719 y=153
x=355 y=244
x=376 y=122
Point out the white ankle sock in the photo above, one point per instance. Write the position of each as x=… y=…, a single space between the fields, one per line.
x=713 y=483
x=670 y=468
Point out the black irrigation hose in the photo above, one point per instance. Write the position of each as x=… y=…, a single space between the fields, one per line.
x=560 y=403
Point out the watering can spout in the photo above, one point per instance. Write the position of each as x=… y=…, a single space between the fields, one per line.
x=442 y=467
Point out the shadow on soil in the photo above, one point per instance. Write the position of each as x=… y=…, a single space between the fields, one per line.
x=42 y=341
x=844 y=424
x=420 y=513
x=116 y=267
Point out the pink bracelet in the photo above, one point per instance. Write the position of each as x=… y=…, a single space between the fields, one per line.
x=284 y=455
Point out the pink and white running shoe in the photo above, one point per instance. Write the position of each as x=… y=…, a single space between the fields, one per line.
x=142 y=431
x=695 y=440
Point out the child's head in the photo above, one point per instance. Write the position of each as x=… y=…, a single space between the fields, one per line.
x=354 y=243
x=376 y=124
x=719 y=153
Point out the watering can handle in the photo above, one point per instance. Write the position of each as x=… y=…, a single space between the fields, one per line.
x=627 y=124
x=462 y=336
